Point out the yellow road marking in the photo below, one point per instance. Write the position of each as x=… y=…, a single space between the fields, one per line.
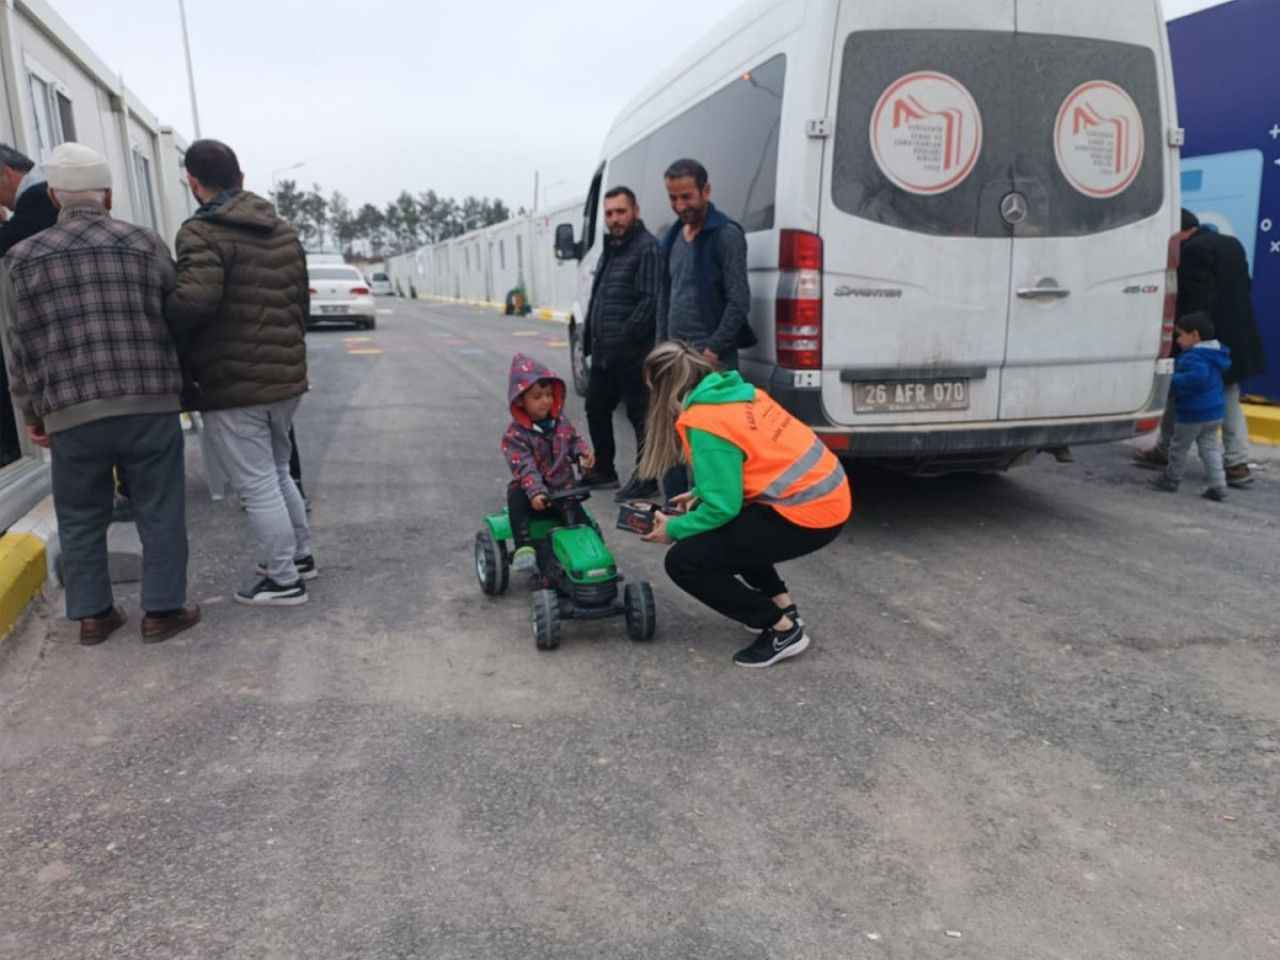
x=364 y=352
x=557 y=343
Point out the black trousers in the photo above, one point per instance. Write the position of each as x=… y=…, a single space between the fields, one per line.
x=707 y=566
x=521 y=512
x=147 y=449
x=617 y=381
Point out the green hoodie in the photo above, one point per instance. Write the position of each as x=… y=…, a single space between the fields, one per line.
x=716 y=463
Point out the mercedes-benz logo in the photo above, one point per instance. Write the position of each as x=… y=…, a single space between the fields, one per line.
x=1014 y=208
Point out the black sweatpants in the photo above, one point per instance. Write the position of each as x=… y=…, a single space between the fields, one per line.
x=620 y=381
x=521 y=512
x=707 y=566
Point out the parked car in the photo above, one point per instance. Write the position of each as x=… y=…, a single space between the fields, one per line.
x=380 y=284
x=340 y=293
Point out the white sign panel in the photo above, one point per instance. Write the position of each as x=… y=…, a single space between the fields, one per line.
x=926 y=132
x=1098 y=139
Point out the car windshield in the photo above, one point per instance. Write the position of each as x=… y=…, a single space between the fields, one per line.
x=380 y=276
x=334 y=273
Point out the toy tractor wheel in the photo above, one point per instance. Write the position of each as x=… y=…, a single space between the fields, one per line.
x=546 y=619
x=493 y=566
x=642 y=612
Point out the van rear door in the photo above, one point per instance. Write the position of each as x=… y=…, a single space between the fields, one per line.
x=916 y=257
x=1092 y=168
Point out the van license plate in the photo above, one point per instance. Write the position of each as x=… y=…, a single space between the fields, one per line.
x=341 y=308
x=911 y=396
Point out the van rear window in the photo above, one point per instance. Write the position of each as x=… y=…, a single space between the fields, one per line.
x=997 y=103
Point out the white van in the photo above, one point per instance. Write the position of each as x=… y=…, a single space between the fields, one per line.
x=960 y=217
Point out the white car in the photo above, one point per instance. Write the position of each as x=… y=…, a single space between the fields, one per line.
x=380 y=284
x=340 y=293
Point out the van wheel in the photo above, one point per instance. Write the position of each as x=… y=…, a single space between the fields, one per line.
x=579 y=364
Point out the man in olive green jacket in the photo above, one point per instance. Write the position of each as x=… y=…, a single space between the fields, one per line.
x=239 y=312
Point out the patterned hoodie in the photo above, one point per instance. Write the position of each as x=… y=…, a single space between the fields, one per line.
x=539 y=454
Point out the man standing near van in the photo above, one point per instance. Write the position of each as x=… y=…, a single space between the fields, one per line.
x=240 y=308
x=619 y=335
x=1213 y=278
x=705 y=296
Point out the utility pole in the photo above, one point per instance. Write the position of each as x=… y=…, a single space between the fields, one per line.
x=191 y=77
x=535 y=192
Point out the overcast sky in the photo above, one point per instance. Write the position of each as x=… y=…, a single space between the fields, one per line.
x=459 y=96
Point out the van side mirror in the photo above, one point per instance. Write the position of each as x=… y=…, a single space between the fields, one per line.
x=566 y=246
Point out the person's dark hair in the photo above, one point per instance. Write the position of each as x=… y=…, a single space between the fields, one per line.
x=1198 y=322
x=621 y=192
x=214 y=164
x=1189 y=219
x=685 y=167
x=15 y=159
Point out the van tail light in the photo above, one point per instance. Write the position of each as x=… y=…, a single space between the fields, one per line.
x=1171 y=293
x=312 y=291
x=360 y=291
x=798 y=307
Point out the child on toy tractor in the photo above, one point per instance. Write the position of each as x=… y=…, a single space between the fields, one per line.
x=540 y=447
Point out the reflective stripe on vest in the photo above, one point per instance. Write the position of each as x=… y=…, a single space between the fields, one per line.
x=817 y=491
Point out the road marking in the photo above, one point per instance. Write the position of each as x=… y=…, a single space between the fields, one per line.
x=472 y=351
x=357 y=339
x=385 y=311
x=557 y=343
x=526 y=333
x=365 y=352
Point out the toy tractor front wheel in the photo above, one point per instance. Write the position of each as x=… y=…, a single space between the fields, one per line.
x=493 y=566
x=546 y=619
x=642 y=612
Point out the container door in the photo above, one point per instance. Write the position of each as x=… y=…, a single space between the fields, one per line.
x=1090 y=253
x=916 y=255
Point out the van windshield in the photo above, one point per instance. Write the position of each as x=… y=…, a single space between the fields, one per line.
x=908 y=152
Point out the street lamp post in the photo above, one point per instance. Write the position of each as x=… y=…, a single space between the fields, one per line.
x=191 y=77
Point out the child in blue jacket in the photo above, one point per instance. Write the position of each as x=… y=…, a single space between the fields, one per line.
x=1199 y=403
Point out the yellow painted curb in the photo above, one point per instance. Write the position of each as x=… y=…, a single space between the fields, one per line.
x=22 y=574
x=1264 y=423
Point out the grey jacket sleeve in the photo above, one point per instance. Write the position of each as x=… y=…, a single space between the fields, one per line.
x=737 y=292
x=662 y=306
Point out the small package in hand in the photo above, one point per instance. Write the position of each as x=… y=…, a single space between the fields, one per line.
x=637 y=517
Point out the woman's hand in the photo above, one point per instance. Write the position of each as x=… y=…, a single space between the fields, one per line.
x=684 y=502
x=659 y=532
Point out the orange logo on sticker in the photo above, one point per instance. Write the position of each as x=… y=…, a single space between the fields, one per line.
x=1098 y=139
x=926 y=132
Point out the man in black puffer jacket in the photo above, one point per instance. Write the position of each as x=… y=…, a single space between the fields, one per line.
x=619 y=335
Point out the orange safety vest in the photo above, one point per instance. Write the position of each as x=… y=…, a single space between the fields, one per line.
x=786 y=466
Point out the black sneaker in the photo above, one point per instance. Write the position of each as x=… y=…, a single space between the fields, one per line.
x=598 y=479
x=1216 y=494
x=637 y=489
x=1163 y=484
x=307 y=568
x=267 y=593
x=792 y=611
x=772 y=646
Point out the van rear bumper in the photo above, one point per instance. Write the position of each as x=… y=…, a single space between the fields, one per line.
x=963 y=446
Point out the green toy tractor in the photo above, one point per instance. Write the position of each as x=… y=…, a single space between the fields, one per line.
x=577 y=577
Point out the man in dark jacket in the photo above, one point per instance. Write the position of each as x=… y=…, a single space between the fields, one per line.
x=240 y=311
x=705 y=299
x=1213 y=278
x=619 y=335
x=94 y=371
x=25 y=192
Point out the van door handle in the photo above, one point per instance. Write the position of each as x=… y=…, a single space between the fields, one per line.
x=1046 y=293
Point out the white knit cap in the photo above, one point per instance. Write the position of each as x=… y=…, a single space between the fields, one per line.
x=73 y=167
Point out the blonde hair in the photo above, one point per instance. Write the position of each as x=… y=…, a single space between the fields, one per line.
x=671 y=371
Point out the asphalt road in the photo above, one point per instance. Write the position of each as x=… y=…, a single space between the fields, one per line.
x=1040 y=719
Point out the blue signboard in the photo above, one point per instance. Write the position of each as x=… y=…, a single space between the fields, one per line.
x=1228 y=81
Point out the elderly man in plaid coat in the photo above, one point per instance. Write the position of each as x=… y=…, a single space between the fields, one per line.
x=94 y=373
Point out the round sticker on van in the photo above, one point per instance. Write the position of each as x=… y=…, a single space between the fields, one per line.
x=926 y=132
x=1098 y=139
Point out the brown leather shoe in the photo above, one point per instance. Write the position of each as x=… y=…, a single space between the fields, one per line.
x=156 y=629
x=93 y=630
x=1239 y=476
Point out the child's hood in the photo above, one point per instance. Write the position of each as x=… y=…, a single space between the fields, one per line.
x=525 y=372
x=1214 y=353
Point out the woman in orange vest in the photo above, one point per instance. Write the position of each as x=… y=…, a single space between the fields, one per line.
x=765 y=490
